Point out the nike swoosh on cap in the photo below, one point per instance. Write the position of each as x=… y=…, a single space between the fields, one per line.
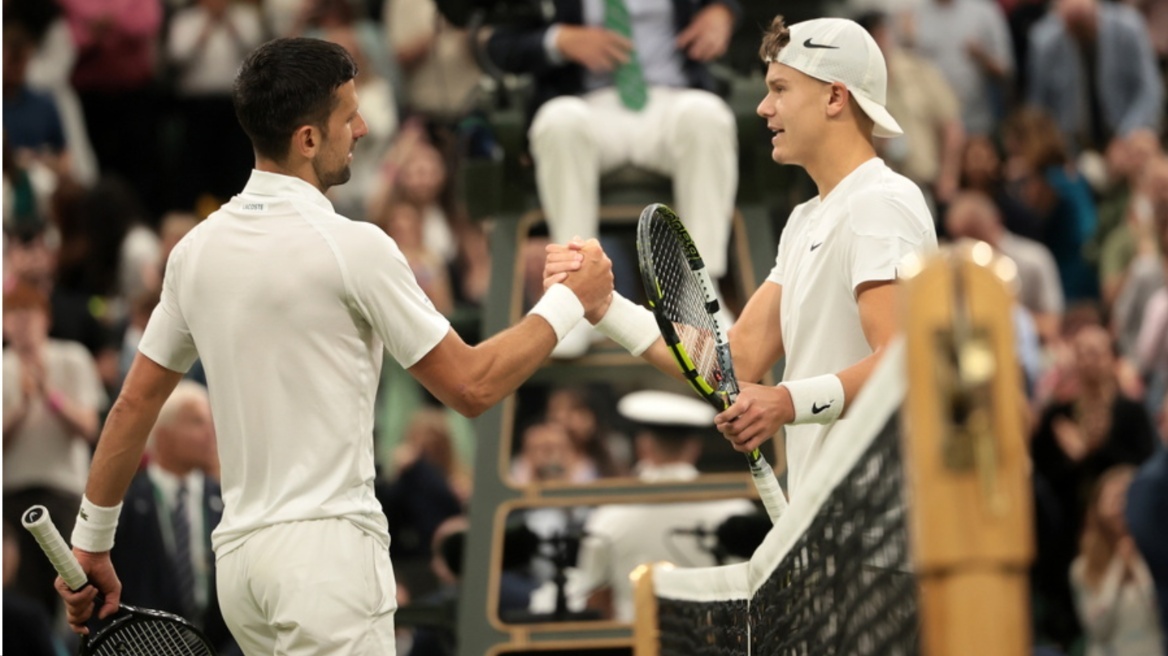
x=809 y=44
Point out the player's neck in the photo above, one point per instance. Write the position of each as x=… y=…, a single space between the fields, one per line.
x=836 y=160
x=297 y=169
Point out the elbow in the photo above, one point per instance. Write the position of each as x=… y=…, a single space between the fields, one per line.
x=472 y=400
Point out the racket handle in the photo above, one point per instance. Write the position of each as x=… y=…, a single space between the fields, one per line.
x=767 y=485
x=36 y=519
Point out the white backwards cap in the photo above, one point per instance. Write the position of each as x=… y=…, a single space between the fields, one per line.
x=839 y=50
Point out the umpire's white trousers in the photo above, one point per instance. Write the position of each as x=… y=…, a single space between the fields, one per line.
x=687 y=134
x=309 y=588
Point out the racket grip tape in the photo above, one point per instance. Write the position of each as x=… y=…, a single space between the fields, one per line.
x=768 y=487
x=38 y=522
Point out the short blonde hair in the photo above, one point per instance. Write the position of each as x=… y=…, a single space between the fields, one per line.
x=774 y=40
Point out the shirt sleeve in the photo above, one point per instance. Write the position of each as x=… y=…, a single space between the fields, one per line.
x=167 y=339
x=386 y=293
x=884 y=232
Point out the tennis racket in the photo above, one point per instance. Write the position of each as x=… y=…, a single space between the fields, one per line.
x=134 y=631
x=681 y=295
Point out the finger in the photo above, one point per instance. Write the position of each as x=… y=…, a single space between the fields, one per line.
x=687 y=37
x=620 y=41
x=617 y=55
x=557 y=278
x=109 y=607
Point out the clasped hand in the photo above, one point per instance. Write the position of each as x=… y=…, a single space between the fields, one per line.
x=759 y=413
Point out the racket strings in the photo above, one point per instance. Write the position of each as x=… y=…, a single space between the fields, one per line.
x=153 y=638
x=683 y=302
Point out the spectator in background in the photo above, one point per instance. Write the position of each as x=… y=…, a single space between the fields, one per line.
x=171 y=508
x=403 y=222
x=1075 y=442
x=52 y=396
x=436 y=59
x=1143 y=274
x=32 y=124
x=583 y=412
x=49 y=70
x=1040 y=171
x=1114 y=245
x=115 y=75
x=972 y=214
x=1114 y=593
x=414 y=171
x=969 y=42
x=929 y=151
x=546 y=454
x=1093 y=69
x=624 y=83
x=1151 y=352
x=618 y=538
x=31 y=258
x=207 y=43
x=982 y=170
x=1146 y=508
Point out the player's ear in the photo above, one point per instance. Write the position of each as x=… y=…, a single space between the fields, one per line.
x=306 y=141
x=837 y=96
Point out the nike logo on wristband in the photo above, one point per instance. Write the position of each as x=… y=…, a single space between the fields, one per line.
x=815 y=246
x=816 y=408
x=809 y=44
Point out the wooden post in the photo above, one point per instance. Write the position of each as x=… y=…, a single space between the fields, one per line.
x=646 y=632
x=966 y=456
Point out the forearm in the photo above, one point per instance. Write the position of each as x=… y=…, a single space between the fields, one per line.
x=119 y=452
x=854 y=377
x=498 y=366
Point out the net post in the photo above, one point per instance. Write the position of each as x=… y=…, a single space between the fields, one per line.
x=966 y=458
x=646 y=631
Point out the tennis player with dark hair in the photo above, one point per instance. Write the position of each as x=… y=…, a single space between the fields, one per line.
x=290 y=307
x=829 y=303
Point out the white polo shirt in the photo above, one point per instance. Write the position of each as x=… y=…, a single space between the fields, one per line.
x=830 y=246
x=290 y=306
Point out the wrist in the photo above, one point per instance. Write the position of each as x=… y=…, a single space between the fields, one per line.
x=816 y=400
x=629 y=325
x=55 y=401
x=561 y=308
x=95 y=527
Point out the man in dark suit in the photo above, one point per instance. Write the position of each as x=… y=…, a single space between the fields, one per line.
x=621 y=82
x=162 y=549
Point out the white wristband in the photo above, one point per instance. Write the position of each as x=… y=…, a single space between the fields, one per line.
x=629 y=325
x=560 y=308
x=95 y=527
x=818 y=400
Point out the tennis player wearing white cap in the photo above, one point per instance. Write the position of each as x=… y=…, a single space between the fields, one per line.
x=831 y=291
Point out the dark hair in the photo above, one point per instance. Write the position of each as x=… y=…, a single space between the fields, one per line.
x=287 y=83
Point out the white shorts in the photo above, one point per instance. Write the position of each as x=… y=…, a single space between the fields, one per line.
x=309 y=588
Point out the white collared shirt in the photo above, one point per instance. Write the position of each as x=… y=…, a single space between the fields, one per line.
x=290 y=307
x=858 y=233
x=166 y=487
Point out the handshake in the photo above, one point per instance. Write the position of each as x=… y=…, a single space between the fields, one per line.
x=584 y=268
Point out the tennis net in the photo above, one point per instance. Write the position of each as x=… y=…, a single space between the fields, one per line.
x=833 y=577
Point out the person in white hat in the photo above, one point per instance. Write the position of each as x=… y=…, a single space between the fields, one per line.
x=618 y=538
x=829 y=304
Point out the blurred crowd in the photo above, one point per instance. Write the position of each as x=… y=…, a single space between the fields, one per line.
x=1033 y=125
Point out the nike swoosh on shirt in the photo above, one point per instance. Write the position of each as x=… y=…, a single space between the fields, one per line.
x=815 y=246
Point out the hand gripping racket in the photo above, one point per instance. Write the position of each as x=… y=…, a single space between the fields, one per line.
x=681 y=295
x=134 y=631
